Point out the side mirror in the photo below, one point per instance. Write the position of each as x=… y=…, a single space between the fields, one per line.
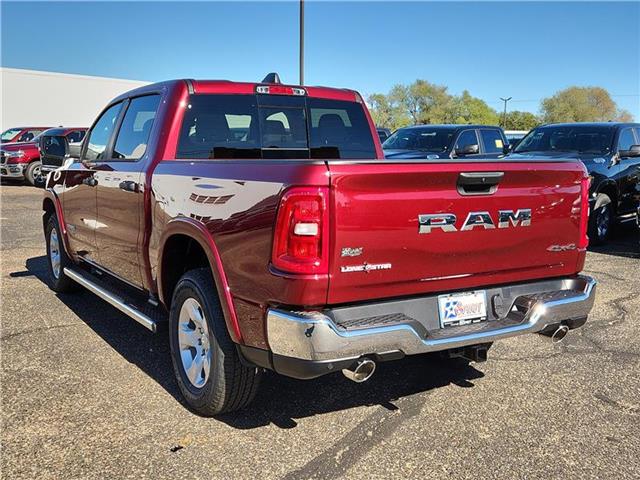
x=507 y=148
x=468 y=149
x=634 y=151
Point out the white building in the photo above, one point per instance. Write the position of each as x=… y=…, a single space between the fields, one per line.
x=35 y=98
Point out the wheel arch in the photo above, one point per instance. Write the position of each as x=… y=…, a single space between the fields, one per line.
x=185 y=244
x=51 y=206
x=611 y=190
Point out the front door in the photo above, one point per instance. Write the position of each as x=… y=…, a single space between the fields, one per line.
x=628 y=173
x=79 y=198
x=120 y=192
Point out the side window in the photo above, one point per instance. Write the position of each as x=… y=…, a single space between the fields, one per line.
x=492 y=141
x=626 y=139
x=101 y=132
x=466 y=138
x=53 y=146
x=29 y=135
x=76 y=136
x=136 y=126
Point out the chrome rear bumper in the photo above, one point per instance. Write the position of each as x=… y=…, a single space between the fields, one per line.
x=316 y=337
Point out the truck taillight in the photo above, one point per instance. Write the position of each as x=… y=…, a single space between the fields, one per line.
x=584 y=212
x=301 y=236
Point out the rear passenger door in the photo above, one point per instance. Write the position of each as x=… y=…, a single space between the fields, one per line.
x=120 y=191
x=492 y=143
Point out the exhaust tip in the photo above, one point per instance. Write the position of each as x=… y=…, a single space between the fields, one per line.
x=362 y=371
x=559 y=334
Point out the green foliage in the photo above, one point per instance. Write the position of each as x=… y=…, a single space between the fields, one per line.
x=518 y=120
x=423 y=102
x=385 y=113
x=581 y=104
x=466 y=108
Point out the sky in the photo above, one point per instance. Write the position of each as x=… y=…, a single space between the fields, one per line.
x=524 y=50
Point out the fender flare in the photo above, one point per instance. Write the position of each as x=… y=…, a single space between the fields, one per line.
x=50 y=196
x=197 y=231
x=607 y=185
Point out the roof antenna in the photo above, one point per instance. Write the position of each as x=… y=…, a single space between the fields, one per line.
x=272 y=77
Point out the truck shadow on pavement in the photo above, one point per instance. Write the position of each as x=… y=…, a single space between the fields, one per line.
x=624 y=242
x=280 y=400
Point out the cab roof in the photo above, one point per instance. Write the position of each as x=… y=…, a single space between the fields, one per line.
x=452 y=126
x=223 y=87
x=58 y=131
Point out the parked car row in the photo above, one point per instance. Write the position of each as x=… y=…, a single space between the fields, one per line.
x=29 y=153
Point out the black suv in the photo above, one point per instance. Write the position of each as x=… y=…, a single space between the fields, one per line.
x=446 y=141
x=611 y=153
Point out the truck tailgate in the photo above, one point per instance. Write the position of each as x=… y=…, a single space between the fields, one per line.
x=388 y=237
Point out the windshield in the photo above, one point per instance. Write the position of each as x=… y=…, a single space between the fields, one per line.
x=9 y=134
x=575 y=138
x=427 y=139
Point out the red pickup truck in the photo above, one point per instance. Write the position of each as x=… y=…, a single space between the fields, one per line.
x=21 y=161
x=261 y=222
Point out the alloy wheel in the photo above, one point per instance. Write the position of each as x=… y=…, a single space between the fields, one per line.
x=54 y=252
x=193 y=340
x=603 y=221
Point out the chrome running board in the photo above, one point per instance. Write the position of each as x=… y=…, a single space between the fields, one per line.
x=112 y=299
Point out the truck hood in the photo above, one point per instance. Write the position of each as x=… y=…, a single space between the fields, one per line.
x=14 y=147
x=589 y=159
x=412 y=154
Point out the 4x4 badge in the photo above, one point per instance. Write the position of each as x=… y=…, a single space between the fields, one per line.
x=351 y=251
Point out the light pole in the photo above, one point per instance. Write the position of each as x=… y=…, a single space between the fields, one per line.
x=504 y=115
x=301 y=42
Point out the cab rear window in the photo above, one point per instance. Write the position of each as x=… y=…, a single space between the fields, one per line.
x=273 y=127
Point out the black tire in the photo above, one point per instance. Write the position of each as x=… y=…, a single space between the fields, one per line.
x=230 y=384
x=33 y=174
x=601 y=220
x=58 y=282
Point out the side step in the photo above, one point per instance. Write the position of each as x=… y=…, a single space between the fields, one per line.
x=112 y=299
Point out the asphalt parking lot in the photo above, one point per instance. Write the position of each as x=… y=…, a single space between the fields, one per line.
x=88 y=393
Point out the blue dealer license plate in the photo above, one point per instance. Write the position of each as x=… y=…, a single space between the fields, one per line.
x=462 y=308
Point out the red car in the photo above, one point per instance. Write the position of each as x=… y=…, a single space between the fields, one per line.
x=21 y=161
x=262 y=223
x=21 y=134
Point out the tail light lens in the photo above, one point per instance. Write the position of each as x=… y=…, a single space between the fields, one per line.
x=301 y=240
x=584 y=212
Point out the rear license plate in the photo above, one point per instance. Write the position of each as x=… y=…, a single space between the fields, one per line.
x=462 y=308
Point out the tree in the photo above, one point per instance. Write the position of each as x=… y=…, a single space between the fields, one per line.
x=422 y=102
x=426 y=103
x=517 y=120
x=624 y=116
x=581 y=104
x=386 y=113
x=466 y=108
